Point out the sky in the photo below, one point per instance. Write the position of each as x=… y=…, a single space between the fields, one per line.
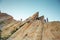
x=25 y=8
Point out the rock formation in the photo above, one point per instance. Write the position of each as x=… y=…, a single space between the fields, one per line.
x=4 y=16
x=5 y=19
x=33 y=28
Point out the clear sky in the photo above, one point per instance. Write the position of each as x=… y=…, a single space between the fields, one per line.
x=25 y=8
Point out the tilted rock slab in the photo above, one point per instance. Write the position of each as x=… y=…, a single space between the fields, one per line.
x=20 y=34
x=7 y=32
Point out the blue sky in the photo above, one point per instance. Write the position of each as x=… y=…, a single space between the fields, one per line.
x=25 y=8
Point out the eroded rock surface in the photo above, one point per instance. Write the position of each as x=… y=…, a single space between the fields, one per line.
x=33 y=28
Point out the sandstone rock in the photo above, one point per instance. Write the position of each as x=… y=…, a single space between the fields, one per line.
x=51 y=31
x=33 y=28
x=5 y=19
x=34 y=16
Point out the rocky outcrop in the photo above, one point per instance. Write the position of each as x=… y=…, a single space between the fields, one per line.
x=33 y=28
x=51 y=31
x=4 y=16
x=5 y=19
x=6 y=32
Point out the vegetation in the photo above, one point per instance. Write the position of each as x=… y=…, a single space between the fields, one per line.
x=2 y=22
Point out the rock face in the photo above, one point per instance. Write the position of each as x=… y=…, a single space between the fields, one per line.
x=4 y=16
x=5 y=19
x=51 y=31
x=33 y=28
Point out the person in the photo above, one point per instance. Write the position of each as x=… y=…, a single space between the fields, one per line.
x=47 y=19
x=21 y=19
